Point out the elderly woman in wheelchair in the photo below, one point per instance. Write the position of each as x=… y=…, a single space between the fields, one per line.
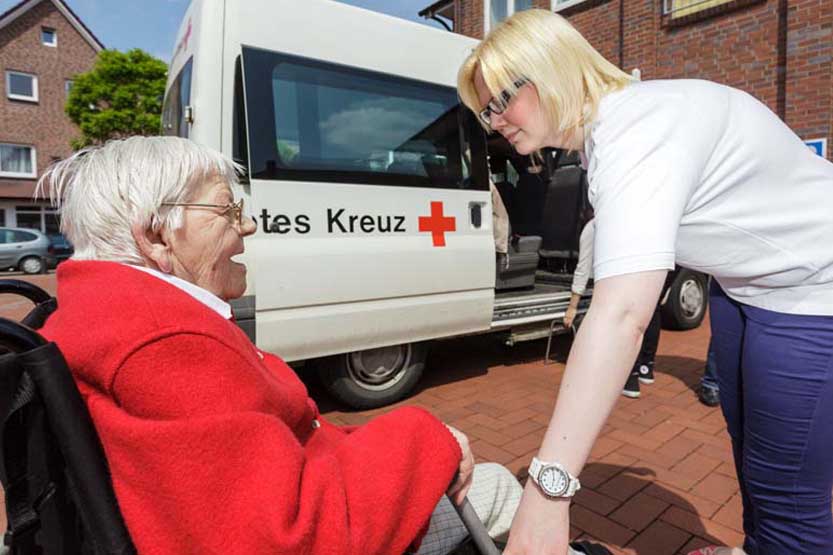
x=213 y=445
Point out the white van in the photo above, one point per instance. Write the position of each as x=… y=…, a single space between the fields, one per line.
x=369 y=184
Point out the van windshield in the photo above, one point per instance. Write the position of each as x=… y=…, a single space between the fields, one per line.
x=177 y=99
x=322 y=122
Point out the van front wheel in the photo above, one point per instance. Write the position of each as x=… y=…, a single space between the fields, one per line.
x=373 y=377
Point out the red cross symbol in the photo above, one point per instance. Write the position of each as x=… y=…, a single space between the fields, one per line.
x=437 y=224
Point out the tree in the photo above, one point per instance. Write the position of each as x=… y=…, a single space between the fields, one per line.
x=121 y=96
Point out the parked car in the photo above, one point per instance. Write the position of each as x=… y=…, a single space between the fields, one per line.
x=59 y=247
x=26 y=250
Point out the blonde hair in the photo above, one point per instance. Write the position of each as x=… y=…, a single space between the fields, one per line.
x=570 y=75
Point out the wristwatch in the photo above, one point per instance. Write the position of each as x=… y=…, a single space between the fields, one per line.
x=553 y=479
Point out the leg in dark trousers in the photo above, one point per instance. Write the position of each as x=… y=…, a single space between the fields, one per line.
x=776 y=390
x=644 y=366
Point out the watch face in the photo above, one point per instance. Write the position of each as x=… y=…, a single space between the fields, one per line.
x=553 y=481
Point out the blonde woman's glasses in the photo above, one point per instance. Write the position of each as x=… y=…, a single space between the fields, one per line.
x=233 y=208
x=501 y=103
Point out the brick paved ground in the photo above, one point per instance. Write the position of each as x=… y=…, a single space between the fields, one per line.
x=660 y=480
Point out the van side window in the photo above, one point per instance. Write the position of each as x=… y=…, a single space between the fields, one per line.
x=315 y=121
x=178 y=97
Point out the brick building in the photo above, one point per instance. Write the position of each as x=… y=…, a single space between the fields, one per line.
x=781 y=51
x=43 y=45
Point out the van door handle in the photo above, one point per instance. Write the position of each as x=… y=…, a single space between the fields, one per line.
x=475 y=214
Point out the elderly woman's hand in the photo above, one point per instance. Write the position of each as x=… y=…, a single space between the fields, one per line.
x=462 y=482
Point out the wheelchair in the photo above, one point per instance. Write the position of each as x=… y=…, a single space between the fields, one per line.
x=59 y=496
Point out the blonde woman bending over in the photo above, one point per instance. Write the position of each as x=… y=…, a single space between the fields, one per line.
x=707 y=176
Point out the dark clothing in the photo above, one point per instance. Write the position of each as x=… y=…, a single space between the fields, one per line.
x=776 y=390
x=709 y=379
x=650 y=342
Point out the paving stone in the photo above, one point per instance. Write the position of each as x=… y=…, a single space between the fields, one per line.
x=623 y=486
x=731 y=514
x=660 y=538
x=716 y=487
x=682 y=499
x=639 y=511
x=694 y=544
x=599 y=526
x=596 y=502
x=702 y=527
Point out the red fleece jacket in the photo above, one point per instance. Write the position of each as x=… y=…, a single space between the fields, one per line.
x=211 y=443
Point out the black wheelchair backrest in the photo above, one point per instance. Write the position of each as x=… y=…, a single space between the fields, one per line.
x=59 y=496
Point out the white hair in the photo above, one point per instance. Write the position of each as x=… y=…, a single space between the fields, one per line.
x=102 y=192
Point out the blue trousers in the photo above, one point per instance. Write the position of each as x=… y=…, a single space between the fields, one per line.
x=776 y=391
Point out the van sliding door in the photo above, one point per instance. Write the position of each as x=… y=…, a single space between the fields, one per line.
x=371 y=197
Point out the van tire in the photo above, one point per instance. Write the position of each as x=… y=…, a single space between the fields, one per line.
x=685 y=305
x=32 y=265
x=374 y=377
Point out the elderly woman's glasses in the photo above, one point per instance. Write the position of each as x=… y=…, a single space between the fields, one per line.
x=233 y=208
x=501 y=103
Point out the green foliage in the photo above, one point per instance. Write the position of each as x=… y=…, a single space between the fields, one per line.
x=120 y=97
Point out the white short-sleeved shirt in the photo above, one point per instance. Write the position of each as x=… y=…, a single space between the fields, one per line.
x=707 y=176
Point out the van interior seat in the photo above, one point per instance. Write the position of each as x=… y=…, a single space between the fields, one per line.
x=516 y=269
x=562 y=209
x=528 y=199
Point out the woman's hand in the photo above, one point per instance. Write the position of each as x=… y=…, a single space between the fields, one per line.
x=570 y=316
x=541 y=525
x=462 y=482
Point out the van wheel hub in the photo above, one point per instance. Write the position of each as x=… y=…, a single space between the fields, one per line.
x=379 y=369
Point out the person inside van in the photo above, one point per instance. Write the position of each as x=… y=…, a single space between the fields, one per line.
x=708 y=176
x=501 y=191
x=214 y=446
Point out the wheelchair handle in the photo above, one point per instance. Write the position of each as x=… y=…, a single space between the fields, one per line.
x=478 y=532
x=25 y=289
x=19 y=338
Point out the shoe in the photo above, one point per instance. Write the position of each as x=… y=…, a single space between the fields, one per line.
x=711 y=550
x=632 y=386
x=590 y=548
x=646 y=373
x=709 y=396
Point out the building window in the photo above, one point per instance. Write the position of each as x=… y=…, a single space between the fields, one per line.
x=681 y=8
x=498 y=10
x=48 y=36
x=42 y=218
x=17 y=161
x=558 y=5
x=29 y=217
x=21 y=86
x=68 y=86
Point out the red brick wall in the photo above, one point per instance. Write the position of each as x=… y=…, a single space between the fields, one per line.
x=809 y=109
x=738 y=48
x=470 y=17
x=43 y=124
